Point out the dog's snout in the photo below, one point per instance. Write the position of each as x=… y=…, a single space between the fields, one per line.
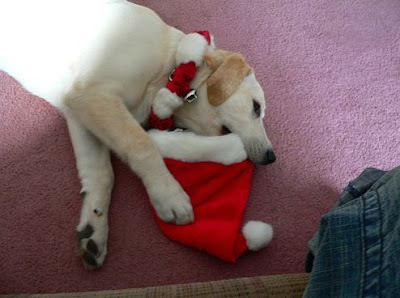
x=269 y=157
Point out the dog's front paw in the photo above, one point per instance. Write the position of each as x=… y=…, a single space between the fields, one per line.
x=172 y=205
x=92 y=240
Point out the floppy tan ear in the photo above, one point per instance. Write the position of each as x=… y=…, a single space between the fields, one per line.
x=215 y=58
x=230 y=70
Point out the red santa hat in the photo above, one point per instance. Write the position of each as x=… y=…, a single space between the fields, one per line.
x=218 y=194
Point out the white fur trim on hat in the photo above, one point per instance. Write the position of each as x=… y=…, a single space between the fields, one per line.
x=258 y=234
x=192 y=47
x=165 y=103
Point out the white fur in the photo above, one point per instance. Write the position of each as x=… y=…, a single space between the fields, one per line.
x=192 y=47
x=165 y=103
x=257 y=234
x=85 y=40
x=187 y=146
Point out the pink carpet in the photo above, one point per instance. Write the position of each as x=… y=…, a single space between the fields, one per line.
x=331 y=73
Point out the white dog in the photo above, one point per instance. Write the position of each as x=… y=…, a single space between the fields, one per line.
x=102 y=63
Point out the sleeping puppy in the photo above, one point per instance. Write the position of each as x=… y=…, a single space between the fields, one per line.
x=102 y=62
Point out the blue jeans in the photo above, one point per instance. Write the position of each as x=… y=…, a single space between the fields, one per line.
x=356 y=250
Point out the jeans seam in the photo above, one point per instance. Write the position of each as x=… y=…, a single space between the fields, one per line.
x=363 y=248
x=372 y=255
x=380 y=242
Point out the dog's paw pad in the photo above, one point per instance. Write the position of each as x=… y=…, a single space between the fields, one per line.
x=91 y=246
x=85 y=233
x=90 y=260
x=88 y=249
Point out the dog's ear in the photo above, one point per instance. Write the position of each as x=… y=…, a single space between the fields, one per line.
x=215 y=58
x=229 y=71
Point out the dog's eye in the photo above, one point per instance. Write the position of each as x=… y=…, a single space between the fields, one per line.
x=257 y=108
x=225 y=130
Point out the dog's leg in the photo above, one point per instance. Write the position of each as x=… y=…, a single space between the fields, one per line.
x=97 y=178
x=103 y=112
x=189 y=147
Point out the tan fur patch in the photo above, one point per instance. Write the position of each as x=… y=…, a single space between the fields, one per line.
x=215 y=58
x=230 y=70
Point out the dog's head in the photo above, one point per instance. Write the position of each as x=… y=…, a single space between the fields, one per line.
x=230 y=99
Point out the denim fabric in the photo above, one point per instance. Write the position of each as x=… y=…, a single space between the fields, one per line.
x=356 y=250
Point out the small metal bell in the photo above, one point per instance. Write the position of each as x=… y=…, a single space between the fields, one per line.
x=191 y=96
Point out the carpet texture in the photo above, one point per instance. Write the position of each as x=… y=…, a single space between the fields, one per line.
x=331 y=73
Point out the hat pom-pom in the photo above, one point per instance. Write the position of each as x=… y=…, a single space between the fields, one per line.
x=258 y=234
x=165 y=103
x=191 y=48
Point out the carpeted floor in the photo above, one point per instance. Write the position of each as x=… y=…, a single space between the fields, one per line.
x=331 y=73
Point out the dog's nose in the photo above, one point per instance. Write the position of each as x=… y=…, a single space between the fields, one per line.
x=270 y=157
